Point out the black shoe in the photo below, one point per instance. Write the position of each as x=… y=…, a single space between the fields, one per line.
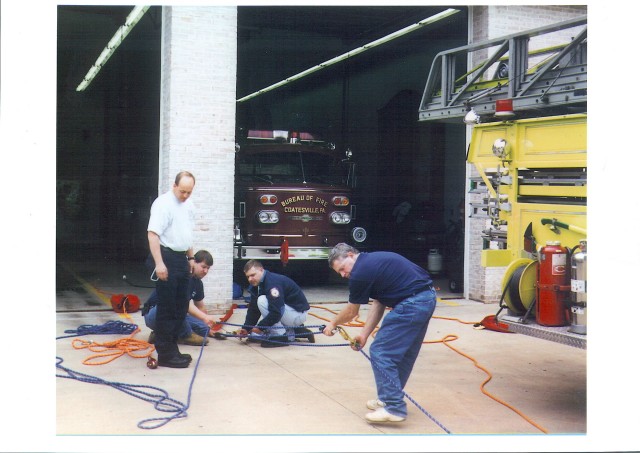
x=187 y=356
x=303 y=332
x=174 y=362
x=276 y=341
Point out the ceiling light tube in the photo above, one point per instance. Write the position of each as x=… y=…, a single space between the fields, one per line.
x=132 y=19
x=351 y=53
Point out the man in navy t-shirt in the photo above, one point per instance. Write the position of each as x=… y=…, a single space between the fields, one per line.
x=392 y=281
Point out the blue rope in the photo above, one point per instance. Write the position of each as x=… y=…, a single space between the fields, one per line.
x=159 y=397
x=109 y=327
x=322 y=326
x=145 y=424
x=291 y=343
x=405 y=393
x=363 y=353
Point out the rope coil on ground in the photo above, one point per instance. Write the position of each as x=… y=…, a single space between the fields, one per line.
x=159 y=397
x=110 y=327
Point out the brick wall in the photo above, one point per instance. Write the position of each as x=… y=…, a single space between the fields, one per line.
x=197 y=126
x=486 y=22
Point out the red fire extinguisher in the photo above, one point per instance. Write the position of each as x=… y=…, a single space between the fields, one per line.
x=553 y=288
x=284 y=252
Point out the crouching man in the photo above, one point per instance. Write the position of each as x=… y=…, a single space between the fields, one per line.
x=277 y=310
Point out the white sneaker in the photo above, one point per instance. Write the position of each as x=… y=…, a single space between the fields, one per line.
x=381 y=415
x=375 y=404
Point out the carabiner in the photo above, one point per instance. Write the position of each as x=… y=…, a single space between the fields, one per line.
x=346 y=336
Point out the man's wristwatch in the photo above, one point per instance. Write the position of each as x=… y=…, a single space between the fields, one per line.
x=191 y=258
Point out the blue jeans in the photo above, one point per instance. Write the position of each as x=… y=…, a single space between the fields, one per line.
x=396 y=346
x=190 y=324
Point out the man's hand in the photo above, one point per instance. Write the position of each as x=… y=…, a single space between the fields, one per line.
x=329 y=330
x=209 y=320
x=256 y=330
x=242 y=333
x=359 y=342
x=162 y=272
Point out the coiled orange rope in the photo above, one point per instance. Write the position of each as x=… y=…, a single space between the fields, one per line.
x=110 y=350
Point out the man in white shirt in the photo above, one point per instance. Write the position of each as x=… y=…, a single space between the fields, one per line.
x=170 y=234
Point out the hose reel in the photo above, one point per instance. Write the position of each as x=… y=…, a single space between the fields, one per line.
x=519 y=285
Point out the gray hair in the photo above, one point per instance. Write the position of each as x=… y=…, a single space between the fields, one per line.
x=340 y=251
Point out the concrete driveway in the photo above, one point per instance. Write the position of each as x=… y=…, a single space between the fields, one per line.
x=479 y=385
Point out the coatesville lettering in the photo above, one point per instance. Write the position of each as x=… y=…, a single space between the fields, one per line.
x=303 y=210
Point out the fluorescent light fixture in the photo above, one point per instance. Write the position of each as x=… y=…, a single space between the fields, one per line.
x=132 y=19
x=351 y=53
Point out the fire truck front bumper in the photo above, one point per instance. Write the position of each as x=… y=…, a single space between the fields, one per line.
x=273 y=253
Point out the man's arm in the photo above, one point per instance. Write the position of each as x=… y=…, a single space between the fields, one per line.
x=192 y=263
x=196 y=309
x=347 y=314
x=253 y=315
x=154 y=246
x=373 y=318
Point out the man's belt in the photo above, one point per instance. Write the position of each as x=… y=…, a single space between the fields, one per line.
x=167 y=249
x=426 y=288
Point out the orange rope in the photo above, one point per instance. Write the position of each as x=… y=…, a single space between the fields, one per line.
x=445 y=340
x=357 y=322
x=112 y=350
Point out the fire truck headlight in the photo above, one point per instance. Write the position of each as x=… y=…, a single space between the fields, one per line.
x=268 y=217
x=359 y=234
x=340 y=218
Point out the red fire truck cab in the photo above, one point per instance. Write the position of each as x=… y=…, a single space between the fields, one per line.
x=293 y=199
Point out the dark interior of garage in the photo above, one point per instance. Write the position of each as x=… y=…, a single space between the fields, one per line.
x=108 y=135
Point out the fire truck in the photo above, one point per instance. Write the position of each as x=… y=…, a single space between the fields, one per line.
x=528 y=186
x=293 y=201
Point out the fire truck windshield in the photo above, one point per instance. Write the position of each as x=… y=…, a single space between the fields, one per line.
x=291 y=167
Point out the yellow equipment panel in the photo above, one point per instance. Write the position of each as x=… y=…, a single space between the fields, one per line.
x=537 y=185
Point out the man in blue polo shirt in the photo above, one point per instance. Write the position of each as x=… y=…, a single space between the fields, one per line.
x=281 y=304
x=393 y=281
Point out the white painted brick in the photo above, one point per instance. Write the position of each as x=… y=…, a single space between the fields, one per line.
x=198 y=126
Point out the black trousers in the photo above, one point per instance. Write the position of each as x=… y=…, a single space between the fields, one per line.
x=173 y=302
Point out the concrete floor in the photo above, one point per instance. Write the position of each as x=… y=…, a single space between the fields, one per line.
x=233 y=388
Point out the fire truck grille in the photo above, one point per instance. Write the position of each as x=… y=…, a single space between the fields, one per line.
x=306 y=218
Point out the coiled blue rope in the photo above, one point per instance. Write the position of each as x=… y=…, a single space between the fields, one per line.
x=108 y=328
